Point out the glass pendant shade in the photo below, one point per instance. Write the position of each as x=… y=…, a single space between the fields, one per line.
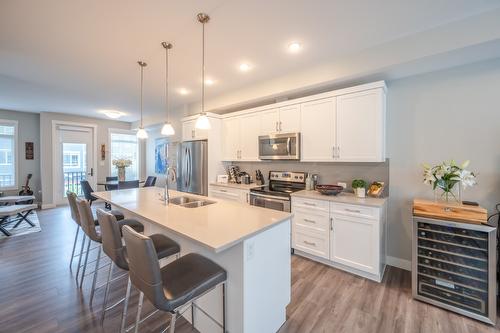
x=142 y=134
x=203 y=122
x=167 y=130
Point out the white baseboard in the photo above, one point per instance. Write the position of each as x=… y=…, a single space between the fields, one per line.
x=48 y=206
x=399 y=263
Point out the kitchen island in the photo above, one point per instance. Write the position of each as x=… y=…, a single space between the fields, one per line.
x=251 y=243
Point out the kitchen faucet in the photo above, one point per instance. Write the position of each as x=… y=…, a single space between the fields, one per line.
x=170 y=170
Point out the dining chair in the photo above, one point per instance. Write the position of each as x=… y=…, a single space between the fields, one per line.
x=87 y=191
x=128 y=184
x=111 y=187
x=150 y=181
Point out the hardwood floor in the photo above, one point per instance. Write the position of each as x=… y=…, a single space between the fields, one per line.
x=38 y=294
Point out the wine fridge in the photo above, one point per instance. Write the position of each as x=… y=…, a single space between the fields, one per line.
x=454 y=266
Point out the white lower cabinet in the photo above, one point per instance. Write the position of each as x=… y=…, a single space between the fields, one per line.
x=346 y=236
x=228 y=193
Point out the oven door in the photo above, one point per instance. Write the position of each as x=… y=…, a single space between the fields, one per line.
x=279 y=146
x=271 y=202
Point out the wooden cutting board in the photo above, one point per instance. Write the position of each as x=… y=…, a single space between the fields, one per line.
x=450 y=211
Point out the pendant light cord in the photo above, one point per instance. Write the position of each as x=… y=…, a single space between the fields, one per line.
x=166 y=80
x=142 y=80
x=203 y=70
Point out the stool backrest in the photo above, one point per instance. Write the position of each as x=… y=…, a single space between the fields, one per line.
x=87 y=189
x=73 y=206
x=111 y=178
x=87 y=220
x=112 y=238
x=128 y=184
x=144 y=267
x=150 y=181
x=111 y=187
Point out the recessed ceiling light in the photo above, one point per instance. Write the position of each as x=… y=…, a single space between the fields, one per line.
x=294 y=47
x=209 y=82
x=183 y=91
x=113 y=114
x=244 y=67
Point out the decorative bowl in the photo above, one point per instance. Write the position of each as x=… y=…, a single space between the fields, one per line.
x=329 y=189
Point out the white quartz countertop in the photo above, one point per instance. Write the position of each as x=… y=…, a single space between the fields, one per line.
x=218 y=226
x=348 y=198
x=238 y=186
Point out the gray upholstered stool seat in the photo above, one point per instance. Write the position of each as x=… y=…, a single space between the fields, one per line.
x=164 y=246
x=134 y=224
x=187 y=278
x=117 y=214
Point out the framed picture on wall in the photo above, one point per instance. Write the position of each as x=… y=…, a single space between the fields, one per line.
x=161 y=155
x=29 y=150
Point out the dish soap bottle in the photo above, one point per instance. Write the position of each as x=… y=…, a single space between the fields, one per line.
x=308 y=182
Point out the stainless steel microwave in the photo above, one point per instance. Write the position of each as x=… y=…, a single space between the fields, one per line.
x=279 y=146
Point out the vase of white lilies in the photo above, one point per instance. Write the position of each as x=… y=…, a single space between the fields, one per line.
x=448 y=178
x=121 y=164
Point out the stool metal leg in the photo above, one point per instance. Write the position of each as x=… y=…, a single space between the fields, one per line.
x=80 y=257
x=125 y=307
x=106 y=292
x=224 y=307
x=85 y=262
x=139 y=309
x=74 y=246
x=172 y=322
x=96 y=271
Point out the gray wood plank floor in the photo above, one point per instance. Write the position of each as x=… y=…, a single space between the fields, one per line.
x=38 y=294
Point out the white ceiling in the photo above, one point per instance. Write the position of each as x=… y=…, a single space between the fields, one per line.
x=80 y=56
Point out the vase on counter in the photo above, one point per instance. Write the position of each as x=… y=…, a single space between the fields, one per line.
x=121 y=174
x=360 y=192
x=448 y=191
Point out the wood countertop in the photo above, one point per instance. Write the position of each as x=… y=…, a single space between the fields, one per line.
x=218 y=226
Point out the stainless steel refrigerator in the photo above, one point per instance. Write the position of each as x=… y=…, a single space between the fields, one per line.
x=192 y=167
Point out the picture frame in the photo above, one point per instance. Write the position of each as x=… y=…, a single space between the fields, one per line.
x=29 y=150
x=161 y=155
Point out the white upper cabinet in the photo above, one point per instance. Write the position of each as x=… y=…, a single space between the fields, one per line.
x=230 y=139
x=318 y=130
x=269 y=122
x=249 y=137
x=190 y=132
x=360 y=127
x=289 y=119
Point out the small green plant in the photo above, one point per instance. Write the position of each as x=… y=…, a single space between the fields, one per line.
x=358 y=183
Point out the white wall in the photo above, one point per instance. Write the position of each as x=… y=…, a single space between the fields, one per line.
x=46 y=149
x=452 y=114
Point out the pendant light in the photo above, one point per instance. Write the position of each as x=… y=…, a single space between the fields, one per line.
x=141 y=133
x=167 y=128
x=203 y=122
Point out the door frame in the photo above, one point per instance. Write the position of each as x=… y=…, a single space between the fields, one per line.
x=55 y=123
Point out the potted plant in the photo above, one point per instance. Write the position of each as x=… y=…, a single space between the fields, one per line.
x=121 y=164
x=443 y=178
x=359 y=187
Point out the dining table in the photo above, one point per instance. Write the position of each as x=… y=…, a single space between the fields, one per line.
x=114 y=182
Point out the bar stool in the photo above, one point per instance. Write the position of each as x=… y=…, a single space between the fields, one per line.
x=88 y=225
x=72 y=197
x=174 y=285
x=113 y=247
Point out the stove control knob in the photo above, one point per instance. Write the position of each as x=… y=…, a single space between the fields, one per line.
x=301 y=177
x=296 y=177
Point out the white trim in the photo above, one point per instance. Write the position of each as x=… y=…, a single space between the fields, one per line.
x=14 y=154
x=399 y=263
x=55 y=123
x=333 y=93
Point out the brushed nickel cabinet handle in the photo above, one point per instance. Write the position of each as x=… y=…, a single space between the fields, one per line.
x=331 y=223
x=353 y=210
x=280 y=127
x=309 y=204
x=310 y=243
x=310 y=221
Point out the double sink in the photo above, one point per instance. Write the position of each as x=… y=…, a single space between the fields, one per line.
x=190 y=202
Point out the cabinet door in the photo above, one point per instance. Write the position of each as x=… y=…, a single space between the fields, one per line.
x=289 y=119
x=317 y=121
x=249 y=137
x=230 y=139
x=355 y=243
x=224 y=193
x=188 y=130
x=269 y=121
x=360 y=126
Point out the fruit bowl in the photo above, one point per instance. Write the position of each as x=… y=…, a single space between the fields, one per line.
x=329 y=189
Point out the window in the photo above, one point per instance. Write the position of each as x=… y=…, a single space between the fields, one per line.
x=71 y=159
x=124 y=144
x=8 y=153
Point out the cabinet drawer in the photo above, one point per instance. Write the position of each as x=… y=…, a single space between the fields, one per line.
x=315 y=222
x=312 y=243
x=225 y=193
x=354 y=210
x=316 y=205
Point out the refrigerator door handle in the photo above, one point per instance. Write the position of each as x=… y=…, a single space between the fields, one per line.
x=185 y=168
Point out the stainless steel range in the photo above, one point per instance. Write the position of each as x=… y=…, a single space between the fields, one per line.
x=276 y=195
